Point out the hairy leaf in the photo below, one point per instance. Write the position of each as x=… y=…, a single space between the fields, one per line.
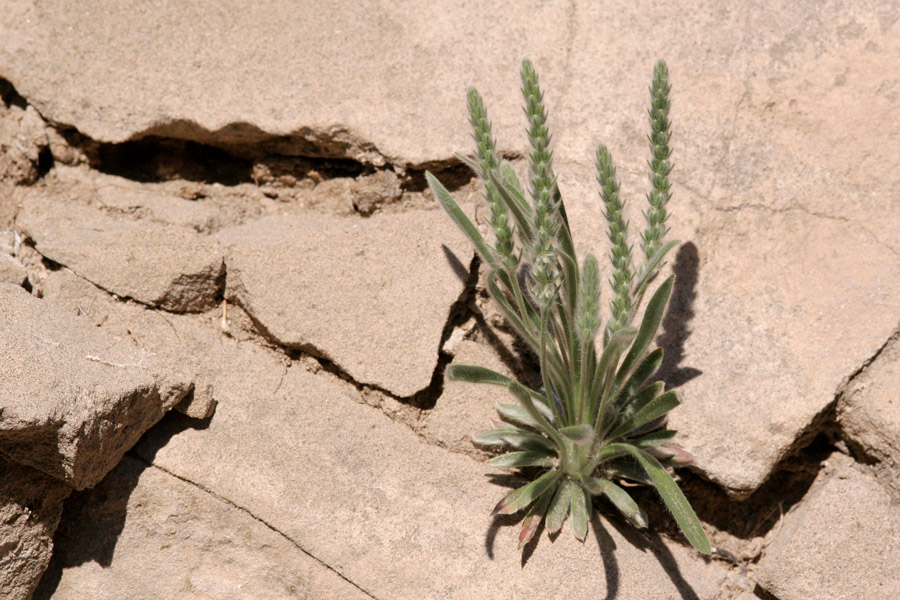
x=580 y=434
x=620 y=499
x=461 y=220
x=559 y=508
x=581 y=510
x=650 y=324
x=533 y=520
x=652 y=410
x=673 y=497
x=522 y=459
x=528 y=493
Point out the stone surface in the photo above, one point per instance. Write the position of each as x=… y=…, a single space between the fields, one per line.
x=11 y=270
x=142 y=534
x=74 y=399
x=167 y=266
x=842 y=541
x=771 y=333
x=372 y=295
x=869 y=412
x=30 y=506
x=290 y=93
x=23 y=137
x=465 y=409
x=178 y=343
x=362 y=494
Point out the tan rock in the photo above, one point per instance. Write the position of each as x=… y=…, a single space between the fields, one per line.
x=365 y=496
x=23 y=137
x=300 y=102
x=11 y=270
x=840 y=542
x=30 y=506
x=74 y=399
x=465 y=409
x=783 y=315
x=167 y=266
x=178 y=344
x=171 y=539
x=869 y=412
x=372 y=295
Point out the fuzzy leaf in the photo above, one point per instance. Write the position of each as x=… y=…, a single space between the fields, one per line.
x=522 y=459
x=620 y=499
x=517 y=415
x=627 y=468
x=469 y=162
x=528 y=493
x=650 y=324
x=580 y=434
x=671 y=455
x=461 y=220
x=652 y=410
x=533 y=520
x=516 y=438
x=641 y=399
x=609 y=359
x=475 y=374
x=559 y=509
x=581 y=510
x=651 y=269
x=654 y=439
x=673 y=497
x=644 y=371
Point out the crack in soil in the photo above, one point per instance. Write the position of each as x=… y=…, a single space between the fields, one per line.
x=246 y=511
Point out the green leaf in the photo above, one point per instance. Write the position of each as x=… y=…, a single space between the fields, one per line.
x=469 y=162
x=559 y=509
x=644 y=371
x=673 y=497
x=528 y=493
x=640 y=400
x=533 y=520
x=516 y=438
x=603 y=376
x=517 y=415
x=652 y=410
x=649 y=271
x=461 y=220
x=654 y=439
x=522 y=459
x=626 y=467
x=649 y=325
x=580 y=434
x=620 y=499
x=475 y=374
x=581 y=510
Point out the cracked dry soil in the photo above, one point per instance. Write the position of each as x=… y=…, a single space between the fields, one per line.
x=297 y=300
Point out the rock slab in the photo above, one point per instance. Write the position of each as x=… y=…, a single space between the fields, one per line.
x=30 y=507
x=143 y=534
x=869 y=412
x=167 y=266
x=372 y=295
x=73 y=399
x=842 y=541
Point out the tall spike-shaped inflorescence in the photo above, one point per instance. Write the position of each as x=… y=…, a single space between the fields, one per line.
x=620 y=251
x=659 y=162
x=588 y=316
x=487 y=160
x=543 y=252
